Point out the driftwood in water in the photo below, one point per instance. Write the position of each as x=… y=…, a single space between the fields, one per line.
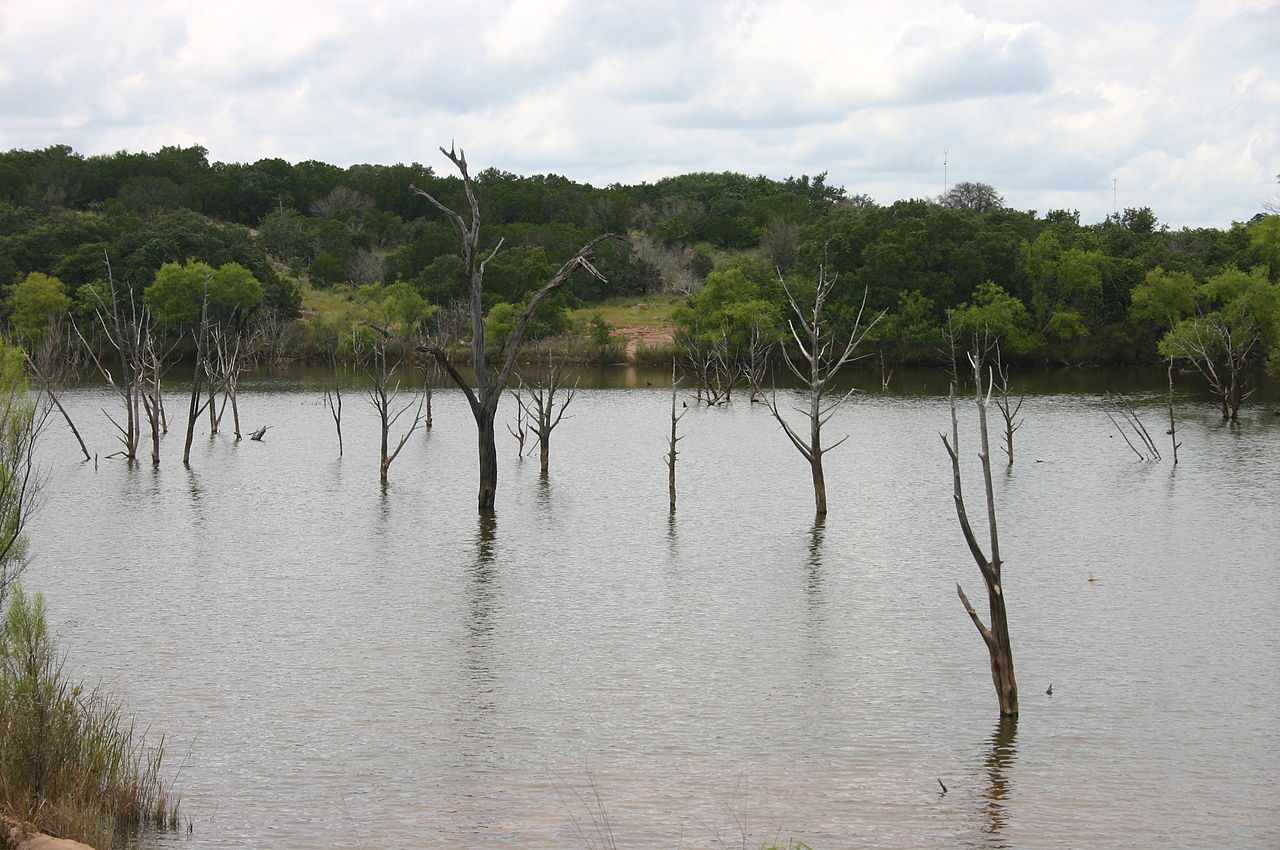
x=995 y=636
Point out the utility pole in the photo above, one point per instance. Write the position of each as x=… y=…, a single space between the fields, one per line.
x=945 y=187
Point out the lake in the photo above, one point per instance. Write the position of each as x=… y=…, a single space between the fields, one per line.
x=340 y=665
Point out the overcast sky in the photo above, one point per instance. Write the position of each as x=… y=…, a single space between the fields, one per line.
x=1179 y=101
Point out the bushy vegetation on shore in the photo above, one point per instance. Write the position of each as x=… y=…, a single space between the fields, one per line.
x=333 y=248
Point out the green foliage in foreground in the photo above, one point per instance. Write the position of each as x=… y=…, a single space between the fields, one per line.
x=70 y=762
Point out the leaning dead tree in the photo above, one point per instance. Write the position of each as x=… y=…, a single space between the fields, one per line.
x=673 y=452
x=548 y=401
x=820 y=361
x=995 y=636
x=52 y=364
x=489 y=382
x=384 y=395
x=1142 y=444
x=1009 y=409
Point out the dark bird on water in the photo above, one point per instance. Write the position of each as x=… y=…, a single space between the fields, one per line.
x=943 y=787
x=1049 y=692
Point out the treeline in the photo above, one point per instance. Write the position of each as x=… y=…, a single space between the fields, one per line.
x=1057 y=290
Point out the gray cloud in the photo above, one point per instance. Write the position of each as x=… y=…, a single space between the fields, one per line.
x=1047 y=101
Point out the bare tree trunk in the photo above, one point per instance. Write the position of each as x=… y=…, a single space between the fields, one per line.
x=489 y=385
x=488 y=462
x=996 y=637
x=1173 y=425
x=672 y=452
x=193 y=412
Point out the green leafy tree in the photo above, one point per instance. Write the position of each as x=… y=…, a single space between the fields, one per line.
x=996 y=315
x=34 y=302
x=176 y=297
x=1237 y=322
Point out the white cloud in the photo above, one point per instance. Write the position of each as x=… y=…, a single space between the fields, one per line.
x=1048 y=101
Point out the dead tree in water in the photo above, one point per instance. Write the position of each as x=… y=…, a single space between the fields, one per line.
x=1008 y=409
x=196 y=402
x=384 y=396
x=756 y=367
x=489 y=385
x=124 y=327
x=1146 y=449
x=333 y=402
x=672 y=452
x=824 y=360
x=996 y=637
x=1173 y=426
x=520 y=432
x=544 y=411
x=226 y=364
x=51 y=362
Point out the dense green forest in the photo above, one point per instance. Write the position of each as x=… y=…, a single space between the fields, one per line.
x=1055 y=290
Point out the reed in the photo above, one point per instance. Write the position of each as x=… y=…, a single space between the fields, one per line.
x=72 y=763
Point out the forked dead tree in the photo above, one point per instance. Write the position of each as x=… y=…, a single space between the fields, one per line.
x=333 y=403
x=822 y=361
x=521 y=430
x=490 y=383
x=1009 y=409
x=995 y=636
x=384 y=396
x=228 y=352
x=124 y=325
x=548 y=401
x=756 y=368
x=673 y=452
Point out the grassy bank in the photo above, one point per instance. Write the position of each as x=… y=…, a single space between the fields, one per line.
x=72 y=764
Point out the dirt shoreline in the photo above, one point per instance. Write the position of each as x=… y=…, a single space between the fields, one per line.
x=22 y=836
